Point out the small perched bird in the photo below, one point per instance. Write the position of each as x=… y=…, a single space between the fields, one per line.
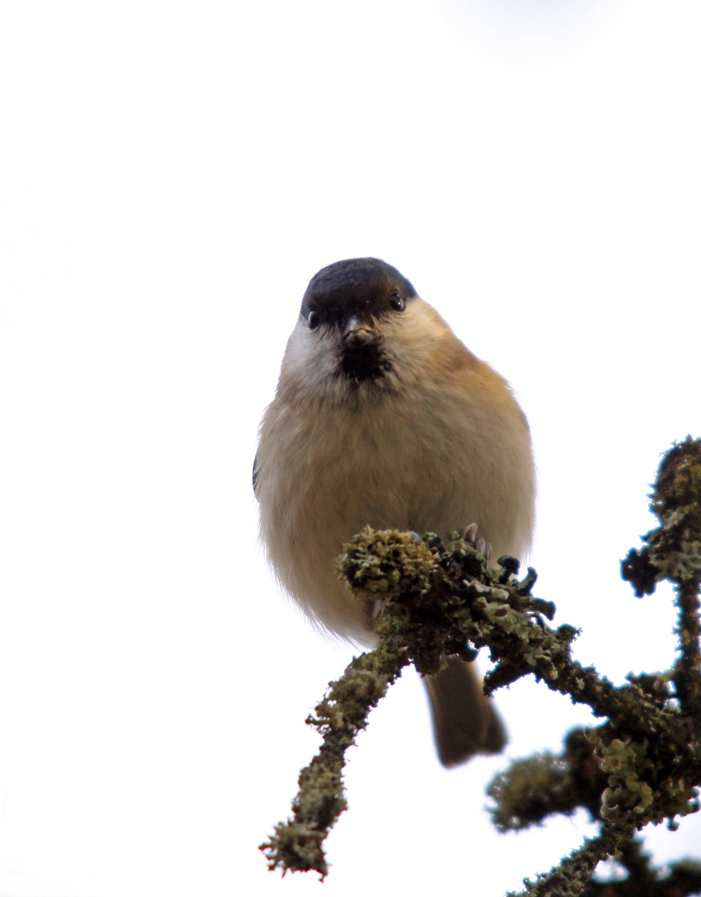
x=383 y=417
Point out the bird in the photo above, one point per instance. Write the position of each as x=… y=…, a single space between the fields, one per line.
x=382 y=417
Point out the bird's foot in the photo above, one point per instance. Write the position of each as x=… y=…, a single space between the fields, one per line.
x=470 y=536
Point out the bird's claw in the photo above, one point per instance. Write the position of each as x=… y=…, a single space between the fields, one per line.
x=373 y=610
x=478 y=543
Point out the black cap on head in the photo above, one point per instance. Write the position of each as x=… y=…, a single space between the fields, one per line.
x=354 y=286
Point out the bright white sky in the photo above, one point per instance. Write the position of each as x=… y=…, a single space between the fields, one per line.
x=172 y=174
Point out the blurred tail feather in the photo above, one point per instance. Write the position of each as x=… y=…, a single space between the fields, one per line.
x=464 y=719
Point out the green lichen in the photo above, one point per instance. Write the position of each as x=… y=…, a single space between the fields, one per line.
x=531 y=790
x=680 y=566
x=385 y=562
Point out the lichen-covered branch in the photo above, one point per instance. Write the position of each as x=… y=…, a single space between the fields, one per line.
x=297 y=845
x=681 y=879
x=436 y=598
x=534 y=788
x=673 y=552
x=571 y=877
x=612 y=771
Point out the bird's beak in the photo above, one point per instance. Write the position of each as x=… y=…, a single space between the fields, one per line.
x=357 y=332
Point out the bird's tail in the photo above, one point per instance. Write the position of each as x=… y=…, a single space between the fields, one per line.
x=464 y=719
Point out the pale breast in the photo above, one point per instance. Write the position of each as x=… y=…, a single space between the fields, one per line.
x=435 y=463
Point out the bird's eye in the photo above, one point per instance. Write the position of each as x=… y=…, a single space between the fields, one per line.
x=313 y=320
x=397 y=303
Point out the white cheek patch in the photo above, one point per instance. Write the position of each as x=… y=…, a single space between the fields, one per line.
x=310 y=355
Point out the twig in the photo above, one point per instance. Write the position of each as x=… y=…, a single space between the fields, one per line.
x=297 y=845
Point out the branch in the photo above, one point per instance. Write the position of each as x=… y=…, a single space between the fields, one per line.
x=642 y=765
x=570 y=878
x=673 y=552
x=297 y=845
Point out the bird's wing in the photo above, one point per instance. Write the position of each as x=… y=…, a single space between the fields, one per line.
x=255 y=473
